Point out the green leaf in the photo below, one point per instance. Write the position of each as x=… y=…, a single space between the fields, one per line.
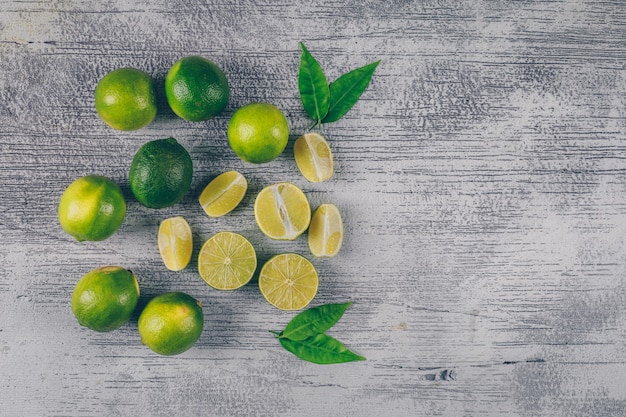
x=314 y=89
x=313 y=321
x=321 y=349
x=346 y=91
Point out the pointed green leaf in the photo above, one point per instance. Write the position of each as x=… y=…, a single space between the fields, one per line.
x=313 y=321
x=314 y=90
x=320 y=349
x=346 y=91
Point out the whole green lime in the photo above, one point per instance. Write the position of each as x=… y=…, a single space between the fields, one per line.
x=105 y=298
x=258 y=132
x=160 y=173
x=171 y=323
x=196 y=88
x=92 y=208
x=126 y=99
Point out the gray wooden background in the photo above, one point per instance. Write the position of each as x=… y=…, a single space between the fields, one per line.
x=482 y=179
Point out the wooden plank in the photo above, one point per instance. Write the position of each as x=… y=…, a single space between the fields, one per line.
x=481 y=179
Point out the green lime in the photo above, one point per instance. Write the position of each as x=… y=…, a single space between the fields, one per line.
x=160 y=174
x=258 y=132
x=126 y=99
x=171 y=323
x=196 y=88
x=92 y=208
x=105 y=298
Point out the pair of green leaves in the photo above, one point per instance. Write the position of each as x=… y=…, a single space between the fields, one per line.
x=325 y=102
x=304 y=336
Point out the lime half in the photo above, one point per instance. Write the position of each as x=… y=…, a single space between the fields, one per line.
x=227 y=261
x=282 y=211
x=288 y=281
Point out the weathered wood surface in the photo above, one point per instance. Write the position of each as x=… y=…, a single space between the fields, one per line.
x=482 y=178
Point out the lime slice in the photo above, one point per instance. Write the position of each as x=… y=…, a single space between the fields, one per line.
x=313 y=157
x=288 y=281
x=223 y=193
x=326 y=231
x=227 y=261
x=282 y=211
x=175 y=243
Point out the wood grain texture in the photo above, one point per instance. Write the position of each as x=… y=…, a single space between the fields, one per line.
x=482 y=180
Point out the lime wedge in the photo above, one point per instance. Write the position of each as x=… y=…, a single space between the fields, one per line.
x=313 y=157
x=326 y=231
x=223 y=193
x=175 y=243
